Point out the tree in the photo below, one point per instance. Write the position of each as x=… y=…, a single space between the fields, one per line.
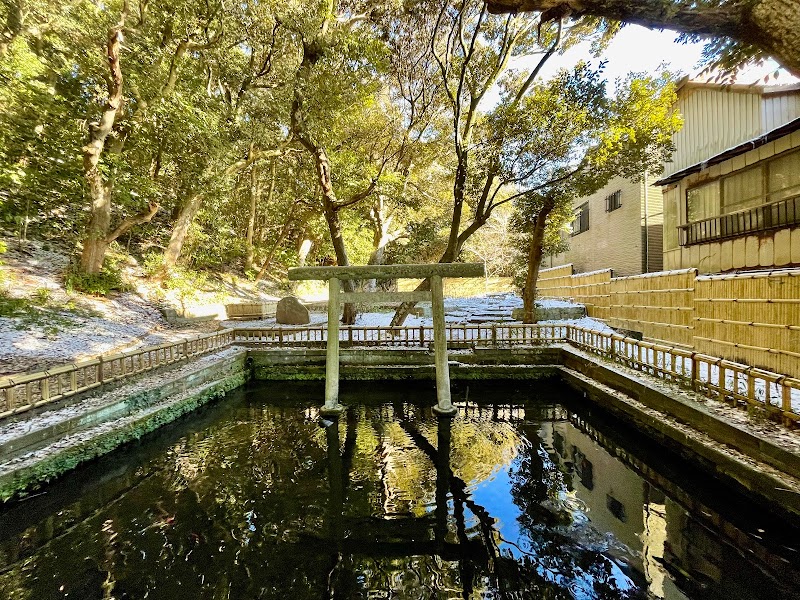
x=469 y=52
x=119 y=125
x=570 y=136
x=741 y=30
x=472 y=51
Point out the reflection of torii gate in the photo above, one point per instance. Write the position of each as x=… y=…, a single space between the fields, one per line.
x=360 y=536
x=434 y=272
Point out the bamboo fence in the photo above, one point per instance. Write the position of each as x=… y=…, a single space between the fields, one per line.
x=592 y=290
x=659 y=305
x=739 y=384
x=750 y=318
x=589 y=289
x=555 y=282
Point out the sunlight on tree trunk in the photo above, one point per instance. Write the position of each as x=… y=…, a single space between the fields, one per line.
x=179 y=231
x=95 y=244
x=535 y=251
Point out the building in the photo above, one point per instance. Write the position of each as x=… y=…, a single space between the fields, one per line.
x=732 y=191
x=620 y=226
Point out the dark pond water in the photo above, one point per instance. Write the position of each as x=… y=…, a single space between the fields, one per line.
x=523 y=495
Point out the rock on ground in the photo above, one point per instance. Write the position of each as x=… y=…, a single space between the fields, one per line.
x=291 y=311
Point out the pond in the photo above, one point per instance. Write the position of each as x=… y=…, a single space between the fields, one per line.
x=525 y=494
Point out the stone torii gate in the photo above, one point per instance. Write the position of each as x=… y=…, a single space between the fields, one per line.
x=435 y=272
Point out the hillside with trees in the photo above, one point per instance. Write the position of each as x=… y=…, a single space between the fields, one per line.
x=197 y=139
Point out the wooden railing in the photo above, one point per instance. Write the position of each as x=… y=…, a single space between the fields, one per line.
x=19 y=393
x=783 y=213
x=457 y=335
x=711 y=376
x=714 y=377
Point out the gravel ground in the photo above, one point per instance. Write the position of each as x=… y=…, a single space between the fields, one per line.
x=72 y=326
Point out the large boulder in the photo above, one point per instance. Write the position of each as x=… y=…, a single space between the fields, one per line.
x=290 y=311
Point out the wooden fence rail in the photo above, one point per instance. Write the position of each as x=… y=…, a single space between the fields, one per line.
x=457 y=335
x=714 y=377
x=19 y=393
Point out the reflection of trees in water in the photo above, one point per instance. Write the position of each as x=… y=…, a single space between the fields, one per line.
x=250 y=502
x=554 y=564
x=400 y=475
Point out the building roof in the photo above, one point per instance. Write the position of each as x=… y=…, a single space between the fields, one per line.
x=751 y=144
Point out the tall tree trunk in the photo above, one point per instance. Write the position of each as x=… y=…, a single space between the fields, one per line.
x=330 y=204
x=281 y=236
x=302 y=254
x=535 y=251
x=459 y=187
x=304 y=251
x=179 y=231
x=95 y=244
x=382 y=235
x=251 y=221
x=450 y=254
x=334 y=227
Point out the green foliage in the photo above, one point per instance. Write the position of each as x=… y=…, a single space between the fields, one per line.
x=153 y=264
x=208 y=112
x=12 y=307
x=39 y=311
x=185 y=283
x=42 y=296
x=96 y=284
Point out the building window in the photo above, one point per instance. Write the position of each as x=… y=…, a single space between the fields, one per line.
x=672 y=211
x=616 y=508
x=581 y=222
x=783 y=177
x=702 y=202
x=614 y=201
x=743 y=190
x=763 y=197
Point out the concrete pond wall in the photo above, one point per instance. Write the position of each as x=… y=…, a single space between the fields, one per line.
x=48 y=445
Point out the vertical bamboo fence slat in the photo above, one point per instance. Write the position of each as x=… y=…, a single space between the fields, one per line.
x=659 y=305
x=751 y=318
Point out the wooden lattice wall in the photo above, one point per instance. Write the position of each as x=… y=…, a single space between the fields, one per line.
x=750 y=318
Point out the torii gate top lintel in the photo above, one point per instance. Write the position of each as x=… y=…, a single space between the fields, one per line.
x=435 y=272
x=387 y=271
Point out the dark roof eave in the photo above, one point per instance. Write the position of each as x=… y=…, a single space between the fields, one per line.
x=766 y=138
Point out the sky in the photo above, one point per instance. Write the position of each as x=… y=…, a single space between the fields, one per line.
x=639 y=49
x=636 y=49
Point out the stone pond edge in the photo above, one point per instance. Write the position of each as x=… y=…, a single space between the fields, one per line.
x=627 y=396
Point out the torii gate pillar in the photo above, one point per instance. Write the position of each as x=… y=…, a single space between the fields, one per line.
x=434 y=272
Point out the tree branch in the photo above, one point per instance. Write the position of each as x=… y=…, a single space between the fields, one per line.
x=143 y=217
x=771 y=25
